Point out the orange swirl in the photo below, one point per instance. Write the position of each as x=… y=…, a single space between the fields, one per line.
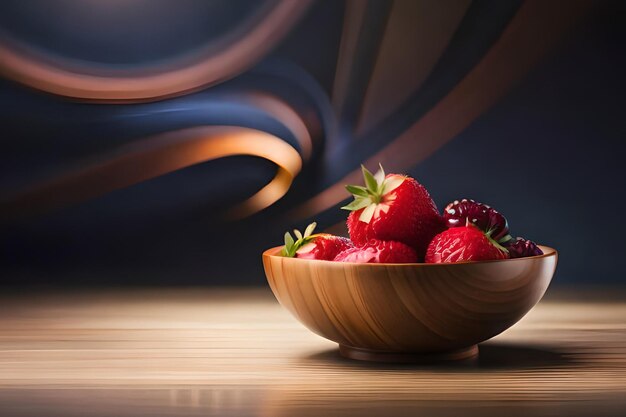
x=229 y=61
x=160 y=155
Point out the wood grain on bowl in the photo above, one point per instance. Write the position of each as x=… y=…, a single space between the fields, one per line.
x=408 y=308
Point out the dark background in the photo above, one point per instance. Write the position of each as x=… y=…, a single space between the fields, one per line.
x=549 y=154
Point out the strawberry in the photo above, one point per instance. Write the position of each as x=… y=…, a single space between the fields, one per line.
x=322 y=246
x=521 y=248
x=486 y=218
x=489 y=220
x=378 y=251
x=465 y=243
x=392 y=207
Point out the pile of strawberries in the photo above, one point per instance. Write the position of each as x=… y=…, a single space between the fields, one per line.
x=393 y=219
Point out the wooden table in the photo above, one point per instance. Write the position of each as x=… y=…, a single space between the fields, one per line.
x=206 y=352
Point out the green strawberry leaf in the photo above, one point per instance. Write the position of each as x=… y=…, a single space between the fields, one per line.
x=289 y=243
x=357 y=204
x=505 y=239
x=495 y=243
x=309 y=229
x=288 y=239
x=370 y=181
x=291 y=246
x=357 y=190
x=368 y=197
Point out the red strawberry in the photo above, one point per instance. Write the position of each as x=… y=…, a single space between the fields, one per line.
x=379 y=251
x=466 y=243
x=322 y=246
x=393 y=207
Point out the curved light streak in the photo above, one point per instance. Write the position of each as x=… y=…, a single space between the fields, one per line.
x=159 y=155
x=535 y=28
x=284 y=113
x=426 y=27
x=230 y=60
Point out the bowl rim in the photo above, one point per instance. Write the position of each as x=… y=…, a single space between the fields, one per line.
x=547 y=252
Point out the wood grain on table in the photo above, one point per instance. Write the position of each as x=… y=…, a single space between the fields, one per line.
x=231 y=352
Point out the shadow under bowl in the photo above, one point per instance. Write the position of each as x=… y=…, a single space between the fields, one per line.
x=409 y=312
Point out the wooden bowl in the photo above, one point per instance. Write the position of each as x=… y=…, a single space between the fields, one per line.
x=409 y=312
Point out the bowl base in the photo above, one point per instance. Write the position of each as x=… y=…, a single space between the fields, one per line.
x=408 y=357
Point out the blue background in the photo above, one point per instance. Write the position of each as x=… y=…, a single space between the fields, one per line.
x=549 y=155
